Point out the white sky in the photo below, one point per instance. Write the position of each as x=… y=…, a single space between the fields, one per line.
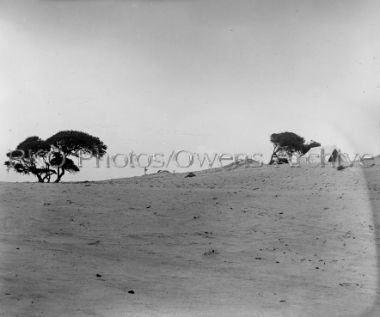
x=217 y=75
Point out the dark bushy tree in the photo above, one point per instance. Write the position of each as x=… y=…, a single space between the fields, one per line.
x=289 y=143
x=71 y=143
x=51 y=157
x=307 y=146
x=30 y=157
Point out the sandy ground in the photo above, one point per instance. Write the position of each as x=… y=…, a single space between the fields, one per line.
x=246 y=242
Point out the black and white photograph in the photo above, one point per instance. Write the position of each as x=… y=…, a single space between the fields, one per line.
x=189 y=158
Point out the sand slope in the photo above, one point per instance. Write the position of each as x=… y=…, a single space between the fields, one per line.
x=247 y=242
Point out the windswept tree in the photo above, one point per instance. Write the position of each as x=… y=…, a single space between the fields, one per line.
x=52 y=156
x=30 y=157
x=290 y=143
x=74 y=143
x=307 y=146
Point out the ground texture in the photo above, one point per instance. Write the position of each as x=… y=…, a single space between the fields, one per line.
x=242 y=242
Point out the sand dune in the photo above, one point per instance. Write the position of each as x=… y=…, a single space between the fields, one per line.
x=244 y=242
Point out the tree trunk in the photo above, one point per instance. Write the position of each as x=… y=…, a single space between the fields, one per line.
x=271 y=159
x=275 y=150
x=59 y=175
x=40 y=179
x=48 y=175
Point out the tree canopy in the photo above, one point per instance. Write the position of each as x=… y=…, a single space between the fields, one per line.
x=289 y=143
x=45 y=158
x=71 y=142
